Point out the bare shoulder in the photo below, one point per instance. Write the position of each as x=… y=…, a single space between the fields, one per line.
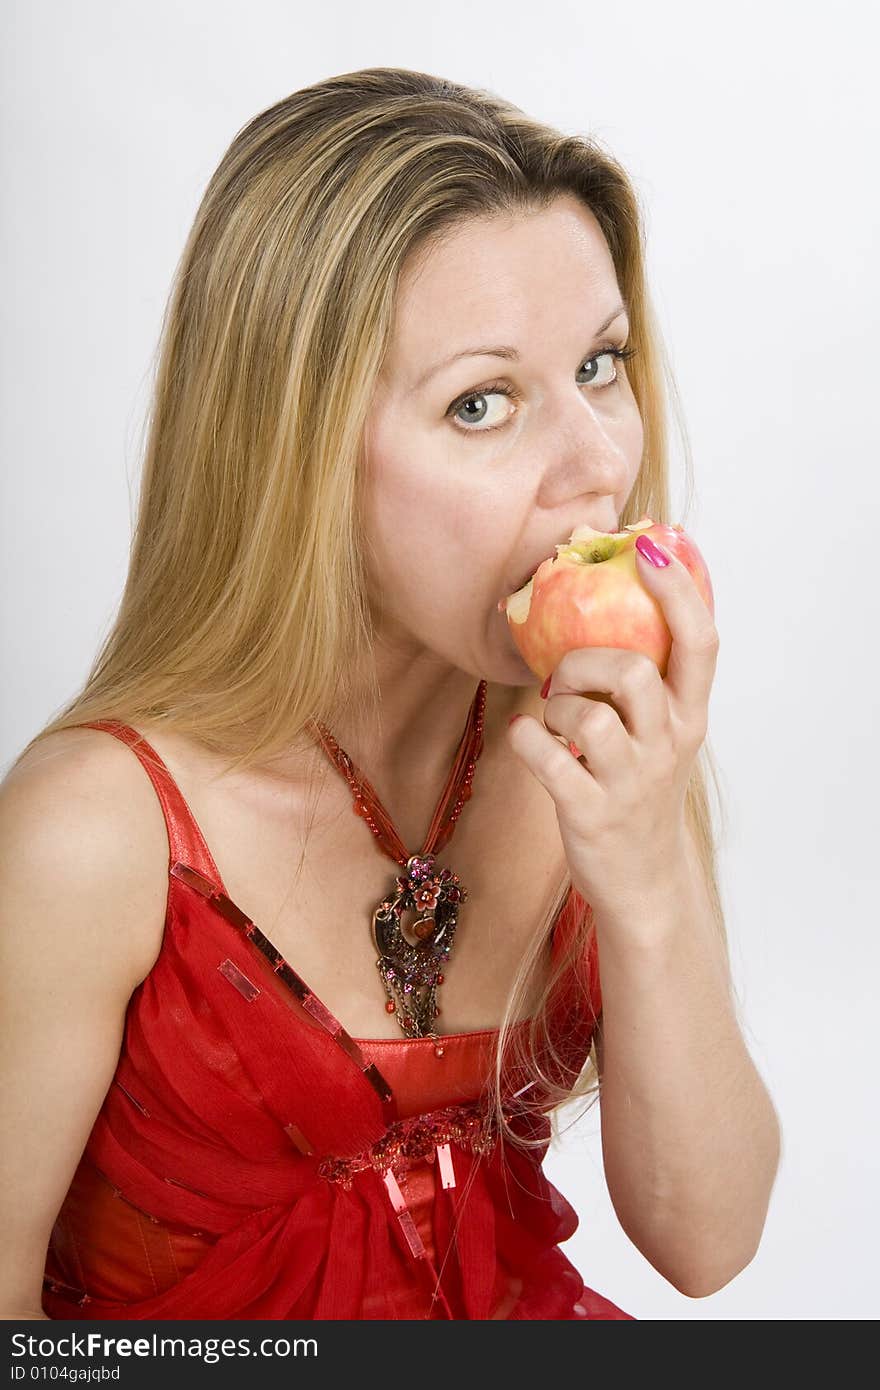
x=80 y=802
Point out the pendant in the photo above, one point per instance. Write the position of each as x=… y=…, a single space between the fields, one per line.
x=412 y=954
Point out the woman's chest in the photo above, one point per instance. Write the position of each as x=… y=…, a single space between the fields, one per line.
x=312 y=888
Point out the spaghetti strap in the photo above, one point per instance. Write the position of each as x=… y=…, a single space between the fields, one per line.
x=186 y=842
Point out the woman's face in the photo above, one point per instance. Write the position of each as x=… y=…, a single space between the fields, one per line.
x=469 y=488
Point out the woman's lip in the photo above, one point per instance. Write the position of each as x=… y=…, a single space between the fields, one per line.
x=521 y=585
x=530 y=574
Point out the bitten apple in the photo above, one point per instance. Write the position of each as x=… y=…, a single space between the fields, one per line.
x=589 y=594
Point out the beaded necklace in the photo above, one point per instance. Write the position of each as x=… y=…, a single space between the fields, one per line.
x=412 y=954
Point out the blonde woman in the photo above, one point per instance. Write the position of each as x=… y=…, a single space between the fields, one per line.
x=301 y=934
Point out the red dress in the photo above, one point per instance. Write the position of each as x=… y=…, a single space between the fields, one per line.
x=252 y=1160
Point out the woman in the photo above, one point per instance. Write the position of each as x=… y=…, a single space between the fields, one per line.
x=365 y=432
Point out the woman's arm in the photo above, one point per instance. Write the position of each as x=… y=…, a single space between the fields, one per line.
x=690 y=1138
x=83 y=884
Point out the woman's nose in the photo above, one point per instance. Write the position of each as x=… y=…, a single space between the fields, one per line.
x=591 y=462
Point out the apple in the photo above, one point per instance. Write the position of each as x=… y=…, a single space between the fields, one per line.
x=589 y=594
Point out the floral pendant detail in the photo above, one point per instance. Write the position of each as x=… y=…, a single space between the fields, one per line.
x=412 y=954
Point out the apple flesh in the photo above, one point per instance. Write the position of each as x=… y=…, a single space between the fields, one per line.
x=589 y=594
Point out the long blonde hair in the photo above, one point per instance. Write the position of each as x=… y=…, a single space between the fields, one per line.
x=245 y=613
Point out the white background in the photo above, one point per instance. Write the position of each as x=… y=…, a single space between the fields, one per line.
x=751 y=134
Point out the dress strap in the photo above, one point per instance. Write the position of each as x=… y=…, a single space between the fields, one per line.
x=185 y=840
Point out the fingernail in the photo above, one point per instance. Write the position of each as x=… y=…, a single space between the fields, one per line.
x=573 y=749
x=651 y=551
x=546 y=686
x=511 y=719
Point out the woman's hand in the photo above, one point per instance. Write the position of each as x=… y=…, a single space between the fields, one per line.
x=621 y=804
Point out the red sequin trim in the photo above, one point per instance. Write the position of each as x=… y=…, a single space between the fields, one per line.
x=472 y=1126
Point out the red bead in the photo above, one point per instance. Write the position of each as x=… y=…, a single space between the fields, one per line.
x=389 y=1007
x=439 y=979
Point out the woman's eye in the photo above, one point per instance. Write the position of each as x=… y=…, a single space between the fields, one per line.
x=470 y=412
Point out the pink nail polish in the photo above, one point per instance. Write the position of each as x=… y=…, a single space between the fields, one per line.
x=651 y=551
x=546 y=686
x=511 y=719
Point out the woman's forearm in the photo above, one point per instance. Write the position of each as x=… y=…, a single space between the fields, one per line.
x=690 y=1137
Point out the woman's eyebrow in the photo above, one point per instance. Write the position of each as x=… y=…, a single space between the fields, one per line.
x=511 y=353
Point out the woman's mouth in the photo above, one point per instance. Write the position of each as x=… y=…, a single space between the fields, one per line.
x=529 y=574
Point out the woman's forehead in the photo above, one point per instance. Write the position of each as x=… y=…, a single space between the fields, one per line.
x=495 y=283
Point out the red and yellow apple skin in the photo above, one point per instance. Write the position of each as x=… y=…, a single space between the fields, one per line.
x=589 y=594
